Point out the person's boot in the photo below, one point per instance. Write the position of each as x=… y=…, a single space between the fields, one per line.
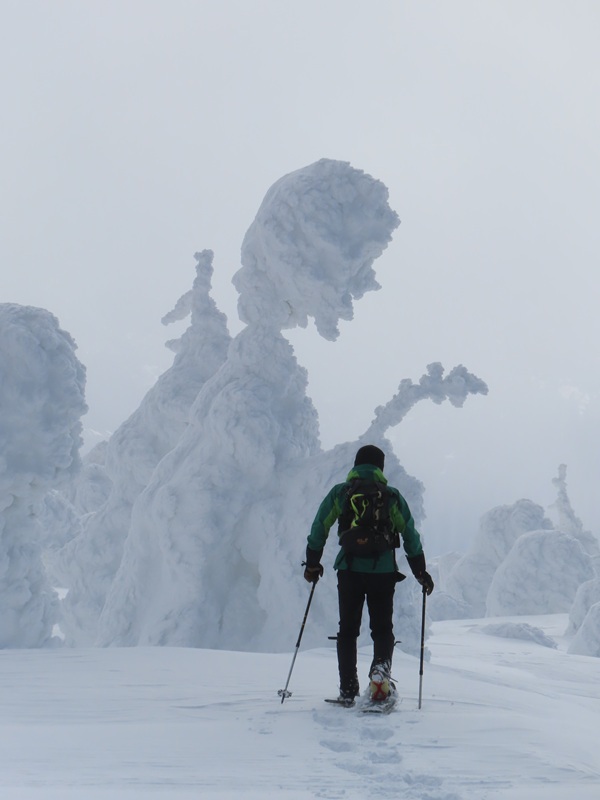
x=380 y=682
x=349 y=690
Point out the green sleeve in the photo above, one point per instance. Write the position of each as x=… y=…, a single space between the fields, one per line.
x=404 y=524
x=328 y=512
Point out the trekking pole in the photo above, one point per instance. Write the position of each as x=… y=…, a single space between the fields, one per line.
x=283 y=693
x=422 y=648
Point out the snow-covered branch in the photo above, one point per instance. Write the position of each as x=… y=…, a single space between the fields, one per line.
x=455 y=387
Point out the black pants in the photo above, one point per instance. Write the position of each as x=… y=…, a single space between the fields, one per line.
x=353 y=589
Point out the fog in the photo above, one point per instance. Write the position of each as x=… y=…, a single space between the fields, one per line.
x=136 y=133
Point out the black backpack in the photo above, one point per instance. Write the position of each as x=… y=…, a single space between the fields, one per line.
x=365 y=527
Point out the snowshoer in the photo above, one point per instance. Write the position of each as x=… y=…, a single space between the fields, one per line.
x=373 y=518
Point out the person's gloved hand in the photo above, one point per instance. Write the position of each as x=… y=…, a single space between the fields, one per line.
x=312 y=574
x=314 y=568
x=426 y=582
x=417 y=565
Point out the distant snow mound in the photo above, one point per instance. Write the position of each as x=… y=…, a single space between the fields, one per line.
x=540 y=575
x=442 y=605
x=519 y=630
x=499 y=529
x=588 y=594
x=587 y=639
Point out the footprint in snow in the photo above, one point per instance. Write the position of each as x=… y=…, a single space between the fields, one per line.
x=338 y=747
x=376 y=733
x=330 y=721
x=388 y=755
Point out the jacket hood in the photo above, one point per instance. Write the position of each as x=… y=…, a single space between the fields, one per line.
x=366 y=471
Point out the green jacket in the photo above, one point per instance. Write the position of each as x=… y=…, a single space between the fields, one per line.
x=331 y=508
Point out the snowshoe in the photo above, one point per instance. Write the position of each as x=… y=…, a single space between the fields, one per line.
x=345 y=702
x=380 y=706
x=348 y=694
x=380 y=682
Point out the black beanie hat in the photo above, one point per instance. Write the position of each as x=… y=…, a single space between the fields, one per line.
x=369 y=454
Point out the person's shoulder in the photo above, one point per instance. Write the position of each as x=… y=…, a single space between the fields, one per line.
x=340 y=488
x=396 y=494
x=337 y=490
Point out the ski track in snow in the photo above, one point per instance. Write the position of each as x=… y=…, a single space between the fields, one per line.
x=502 y=719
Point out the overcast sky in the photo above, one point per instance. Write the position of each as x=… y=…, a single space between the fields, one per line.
x=135 y=133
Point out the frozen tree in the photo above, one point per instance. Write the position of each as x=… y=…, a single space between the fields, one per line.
x=59 y=523
x=92 y=488
x=540 y=575
x=568 y=522
x=206 y=561
x=89 y=562
x=586 y=641
x=588 y=594
x=469 y=580
x=42 y=386
x=214 y=549
x=62 y=512
x=544 y=569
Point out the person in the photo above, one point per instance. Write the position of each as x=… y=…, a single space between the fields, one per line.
x=370 y=574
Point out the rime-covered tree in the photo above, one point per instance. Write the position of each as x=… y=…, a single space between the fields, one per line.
x=308 y=253
x=588 y=594
x=42 y=400
x=586 y=641
x=540 y=575
x=89 y=562
x=469 y=580
x=212 y=557
x=568 y=521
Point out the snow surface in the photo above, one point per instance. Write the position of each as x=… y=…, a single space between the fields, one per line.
x=501 y=719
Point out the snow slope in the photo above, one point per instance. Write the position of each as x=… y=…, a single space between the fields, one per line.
x=502 y=719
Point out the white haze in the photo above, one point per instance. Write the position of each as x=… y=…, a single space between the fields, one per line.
x=135 y=135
